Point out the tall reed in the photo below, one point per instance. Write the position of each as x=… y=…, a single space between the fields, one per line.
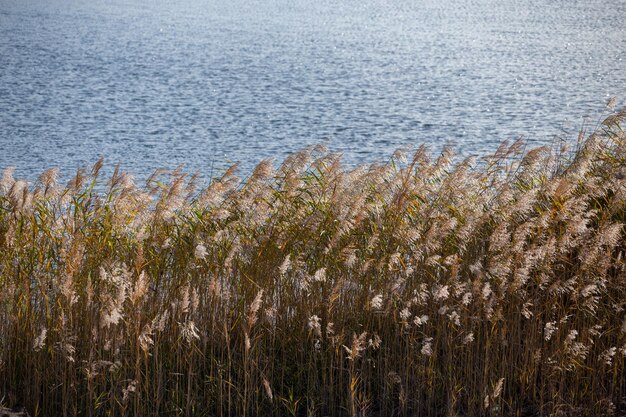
x=415 y=287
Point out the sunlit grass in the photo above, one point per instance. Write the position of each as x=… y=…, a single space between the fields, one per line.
x=413 y=287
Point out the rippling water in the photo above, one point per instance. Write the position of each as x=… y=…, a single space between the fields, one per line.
x=203 y=82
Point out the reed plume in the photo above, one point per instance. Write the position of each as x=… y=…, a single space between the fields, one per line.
x=420 y=286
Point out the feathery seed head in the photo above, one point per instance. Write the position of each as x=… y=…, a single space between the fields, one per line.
x=40 y=340
x=7 y=181
x=377 y=302
x=315 y=325
x=200 y=251
x=189 y=331
x=254 y=308
x=427 y=347
x=549 y=330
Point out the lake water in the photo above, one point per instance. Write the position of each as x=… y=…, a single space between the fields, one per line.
x=204 y=82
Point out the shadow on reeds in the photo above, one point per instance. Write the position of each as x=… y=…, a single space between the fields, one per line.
x=414 y=287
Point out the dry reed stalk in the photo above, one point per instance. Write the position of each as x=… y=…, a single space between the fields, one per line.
x=415 y=287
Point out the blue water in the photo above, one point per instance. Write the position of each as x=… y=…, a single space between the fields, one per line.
x=205 y=82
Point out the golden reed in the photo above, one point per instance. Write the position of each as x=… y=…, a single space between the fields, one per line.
x=416 y=287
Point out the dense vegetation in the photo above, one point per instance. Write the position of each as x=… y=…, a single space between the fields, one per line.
x=414 y=287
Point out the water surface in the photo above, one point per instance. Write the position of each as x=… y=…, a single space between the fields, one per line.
x=203 y=82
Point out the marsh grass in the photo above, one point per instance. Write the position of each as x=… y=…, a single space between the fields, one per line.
x=414 y=287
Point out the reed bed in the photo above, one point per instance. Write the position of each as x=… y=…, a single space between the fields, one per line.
x=416 y=287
